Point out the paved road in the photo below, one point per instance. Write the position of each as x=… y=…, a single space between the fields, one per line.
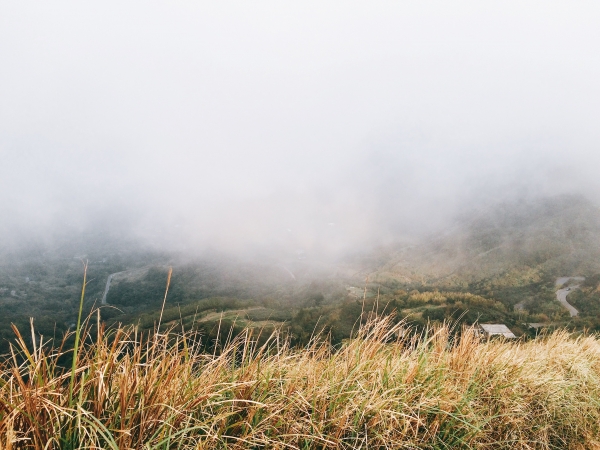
x=561 y=294
x=107 y=287
x=562 y=280
x=110 y=278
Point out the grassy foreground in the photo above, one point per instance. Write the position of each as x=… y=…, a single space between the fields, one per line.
x=377 y=391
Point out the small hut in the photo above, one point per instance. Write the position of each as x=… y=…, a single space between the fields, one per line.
x=493 y=329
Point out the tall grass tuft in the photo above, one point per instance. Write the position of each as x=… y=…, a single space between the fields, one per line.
x=384 y=389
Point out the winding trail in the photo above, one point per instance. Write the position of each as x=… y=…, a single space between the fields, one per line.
x=107 y=287
x=289 y=271
x=561 y=294
x=138 y=271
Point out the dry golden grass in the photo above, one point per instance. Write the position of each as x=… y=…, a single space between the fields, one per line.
x=377 y=391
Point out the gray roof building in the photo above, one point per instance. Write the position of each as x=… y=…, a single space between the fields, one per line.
x=493 y=329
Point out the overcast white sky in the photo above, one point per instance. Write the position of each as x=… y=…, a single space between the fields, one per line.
x=232 y=121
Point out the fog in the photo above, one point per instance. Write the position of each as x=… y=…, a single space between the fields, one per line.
x=329 y=125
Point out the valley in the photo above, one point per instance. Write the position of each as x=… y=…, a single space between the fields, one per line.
x=504 y=265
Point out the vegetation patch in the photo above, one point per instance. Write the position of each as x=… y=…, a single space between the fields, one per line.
x=386 y=388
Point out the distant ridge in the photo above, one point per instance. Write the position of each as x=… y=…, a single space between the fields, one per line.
x=555 y=235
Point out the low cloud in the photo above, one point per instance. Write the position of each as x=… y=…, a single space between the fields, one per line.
x=329 y=127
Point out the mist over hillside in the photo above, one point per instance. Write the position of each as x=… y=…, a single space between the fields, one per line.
x=288 y=160
x=272 y=128
x=203 y=205
x=557 y=235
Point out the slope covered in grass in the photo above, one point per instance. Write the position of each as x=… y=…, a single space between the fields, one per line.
x=384 y=389
x=504 y=245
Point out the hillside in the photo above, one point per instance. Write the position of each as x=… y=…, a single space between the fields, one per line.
x=487 y=264
x=549 y=236
x=507 y=245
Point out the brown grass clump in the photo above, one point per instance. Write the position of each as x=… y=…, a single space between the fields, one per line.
x=376 y=391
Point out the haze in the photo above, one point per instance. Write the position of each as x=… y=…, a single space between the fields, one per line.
x=239 y=124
